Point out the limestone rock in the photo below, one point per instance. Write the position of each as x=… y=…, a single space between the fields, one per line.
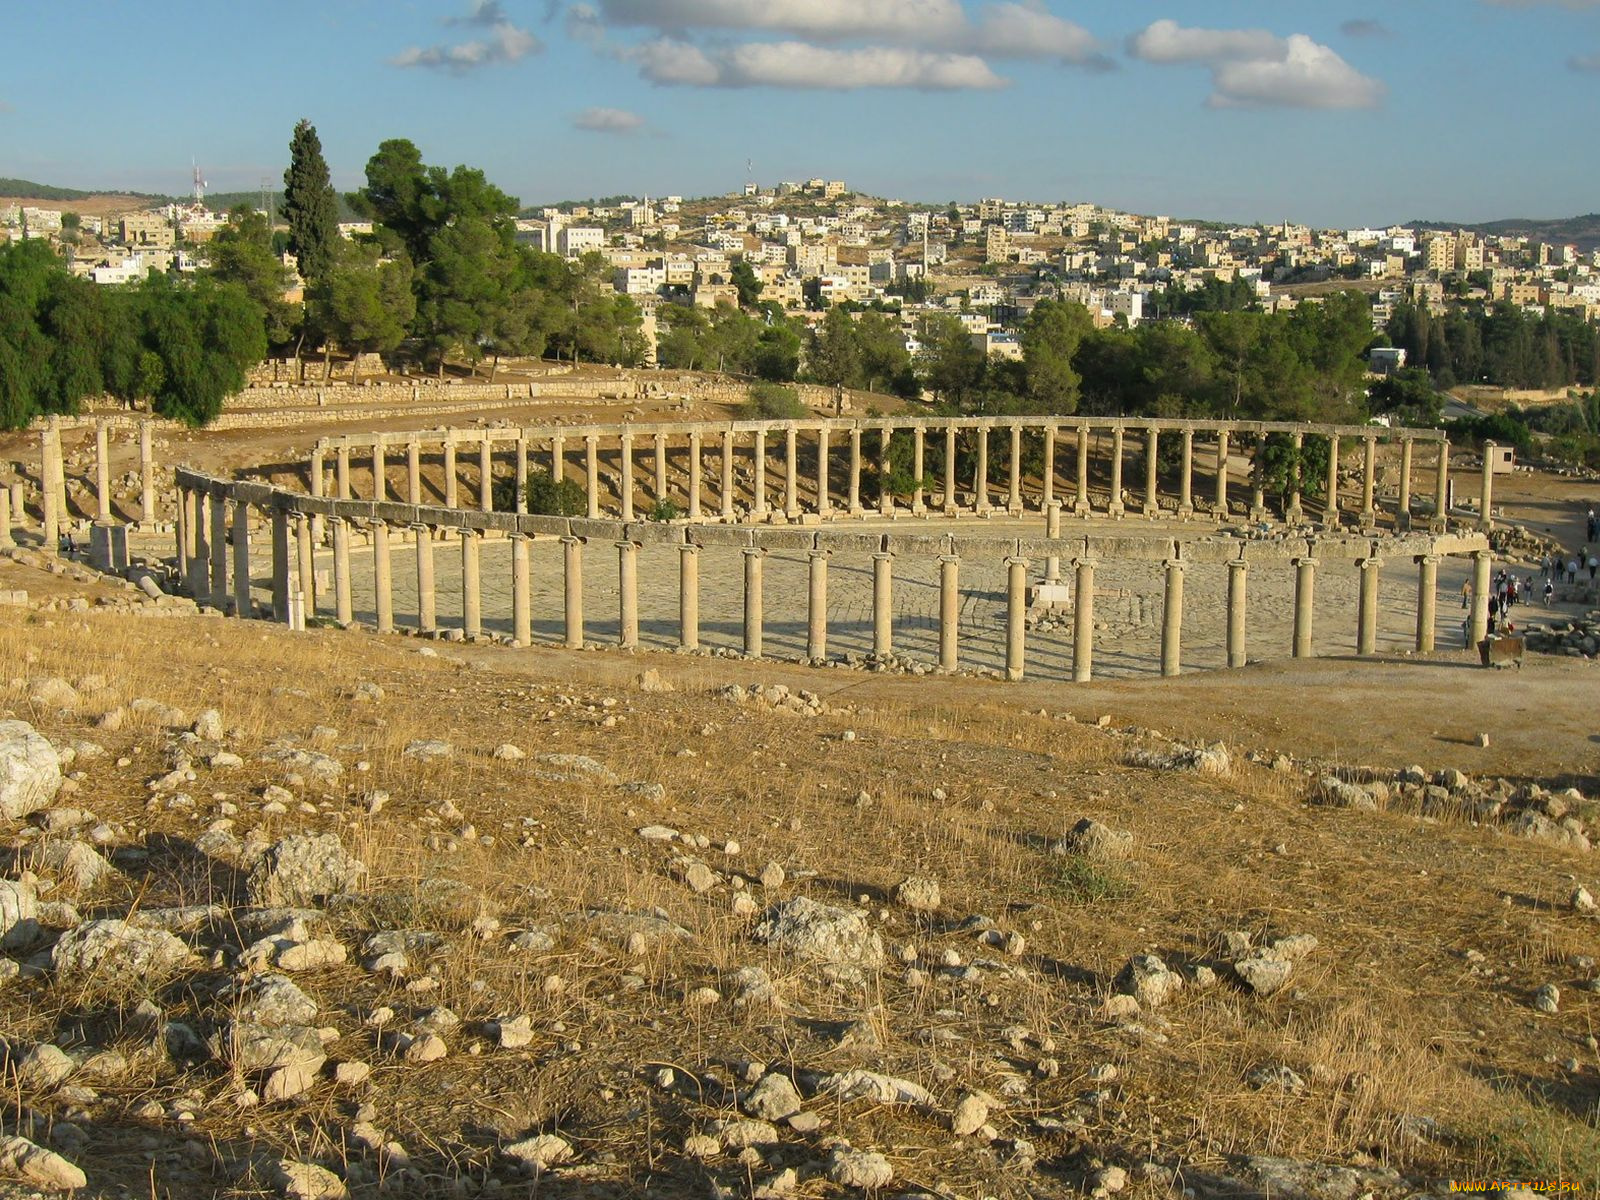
x=737 y=1135
x=822 y=933
x=273 y=1000
x=19 y=914
x=700 y=878
x=513 y=1033
x=267 y=1048
x=30 y=770
x=1276 y=1079
x=1333 y=792
x=112 y=952
x=698 y=1145
x=55 y=693
x=539 y=1153
x=307 y=1181
x=1147 y=979
x=302 y=868
x=37 y=1167
x=428 y=750
x=1548 y=999
x=1092 y=840
x=1263 y=974
x=208 y=726
x=971 y=1113
x=506 y=752
x=864 y=1169
x=1540 y=828
x=919 y=893
x=881 y=1089
x=772 y=1099
x=1581 y=901
x=41 y=1067
x=78 y=865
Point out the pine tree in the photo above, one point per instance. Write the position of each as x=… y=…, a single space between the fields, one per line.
x=310 y=206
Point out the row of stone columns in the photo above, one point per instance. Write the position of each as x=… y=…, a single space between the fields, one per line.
x=762 y=506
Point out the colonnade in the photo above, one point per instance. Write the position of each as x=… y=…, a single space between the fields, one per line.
x=207 y=504
x=984 y=494
x=53 y=511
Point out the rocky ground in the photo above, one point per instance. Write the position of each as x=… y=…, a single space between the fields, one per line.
x=327 y=914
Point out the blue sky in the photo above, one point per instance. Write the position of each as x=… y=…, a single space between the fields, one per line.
x=1333 y=112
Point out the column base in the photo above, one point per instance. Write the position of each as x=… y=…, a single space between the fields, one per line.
x=1116 y=511
x=1256 y=515
x=1082 y=510
x=1294 y=516
x=1185 y=512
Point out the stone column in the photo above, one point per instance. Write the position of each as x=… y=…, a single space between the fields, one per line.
x=626 y=441
x=628 y=595
x=759 y=455
x=380 y=484
x=341 y=479
x=558 y=458
x=1238 y=572
x=1305 y=589
x=1427 y=600
x=791 y=477
x=451 y=485
x=1330 y=516
x=660 y=458
x=855 y=473
x=6 y=540
x=102 y=472
x=1080 y=499
x=1403 y=507
x=689 y=596
x=521 y=591
x=1221 y=502
x=882 y=605
x=752 y=601
x=49 y=505
x=727 y=475
x=520 y=479
x=316 y=475
x=427 y=602
x=1016 y=617
x=918 y=453
x=190 y=539
x=1172 y=620
x=1083 y=621
x=1152 y=503
x=414 y=472
x=694 y=476
x=1014 y=494
x=486 y=474
x=1367 y=607
x=19 y=503
x=591 y=474
x=1052 y=529
x=343 y=610
x=1481 y=560
x=147 y=476
x=60 y=474
x=1486 y=496
x=1369 y=481
x=281 y=558
x=219 y=551
x=181 y=527
x=1441 y=489
x=1049 y=493
x=949 y=611
x=1116 y=508
x=1258 y=480
x=824 y=504
x=949 y=470
x=382 y=579
x=243 y=606
x=1292 y=512
x=980 y=475
x=885 y=493
x=305 y=564
x=817 y=605
x=1186 y=477
x=572 y=561
x=471 y=587
x=200 y=560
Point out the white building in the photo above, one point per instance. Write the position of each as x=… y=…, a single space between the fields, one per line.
x=578 y=240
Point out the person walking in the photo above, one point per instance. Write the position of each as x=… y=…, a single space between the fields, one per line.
x=1549 y=592
x=1466 y=594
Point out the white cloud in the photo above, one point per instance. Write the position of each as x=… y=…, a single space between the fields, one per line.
x=608 y=120
x=1252 y=68
x=804 y=66
x=503 y=42
x=1005 y=29
x=1168 y=42
x=1309 y=76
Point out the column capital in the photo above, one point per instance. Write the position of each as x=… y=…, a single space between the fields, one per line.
x=689 y=548
x=568 y=539
x=1175 y=564
x=753 y=551
x=626 y=544
x=950 y=558
x=1306 y=561
x=1426 y=560
x=1016 y=560
x=822 y=554
x=1374 y=562
x=882 y=555
x=1241 y=563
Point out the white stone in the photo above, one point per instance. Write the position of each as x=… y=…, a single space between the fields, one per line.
x=37 y=1167
x=539 y=1153
x=971 y=1114
x=30 y=770
x=863 y=1169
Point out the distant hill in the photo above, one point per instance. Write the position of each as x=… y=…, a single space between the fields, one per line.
x=26 y=189
x=1582 y=232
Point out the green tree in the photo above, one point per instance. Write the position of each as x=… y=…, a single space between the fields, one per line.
x=367 y=301
x=242 y=254
x=1050 y=338
x=951 y=366
x=744 y=278
x=310 y=206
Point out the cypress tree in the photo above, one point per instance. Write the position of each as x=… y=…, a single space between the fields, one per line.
x=310 y=206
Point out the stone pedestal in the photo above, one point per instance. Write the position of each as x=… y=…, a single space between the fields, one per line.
x=108 y=547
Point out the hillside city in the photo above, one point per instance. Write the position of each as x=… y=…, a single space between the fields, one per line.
x=815 y=244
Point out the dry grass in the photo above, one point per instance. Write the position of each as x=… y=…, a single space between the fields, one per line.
x=1387 y=1021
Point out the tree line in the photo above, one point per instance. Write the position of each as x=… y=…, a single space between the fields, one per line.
x=1498 y=344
